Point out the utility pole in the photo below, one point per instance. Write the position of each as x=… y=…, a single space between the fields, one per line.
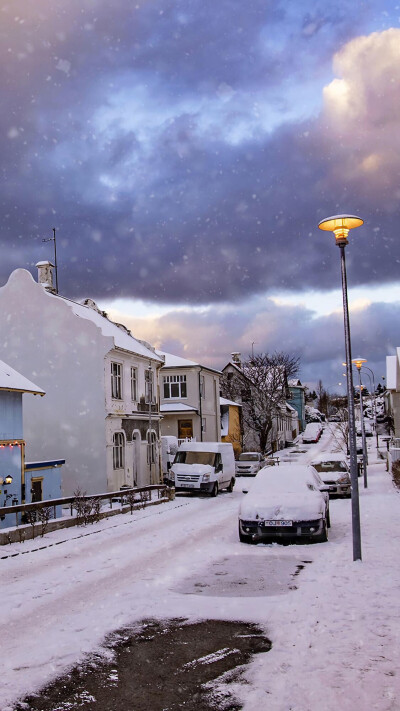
x=53 y=239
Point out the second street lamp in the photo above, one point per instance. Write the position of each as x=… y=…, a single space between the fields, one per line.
x=358 y=362
x=340 y=225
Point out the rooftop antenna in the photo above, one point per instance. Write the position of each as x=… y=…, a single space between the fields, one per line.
x=252 y=348
x=53 y=239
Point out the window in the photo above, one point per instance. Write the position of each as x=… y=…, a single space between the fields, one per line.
x=204 y=424
x=174 y=386
x=149 y=386
x=202 y=386
x=118 y=450
x=116 y=381
x=134 y=384
x=151 y=447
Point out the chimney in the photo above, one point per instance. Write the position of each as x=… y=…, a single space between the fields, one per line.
x=45 y=276
x=236 y=359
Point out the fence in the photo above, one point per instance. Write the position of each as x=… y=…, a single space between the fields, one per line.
x=120 y=495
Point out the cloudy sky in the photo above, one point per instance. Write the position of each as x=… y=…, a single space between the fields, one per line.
x=185 y=151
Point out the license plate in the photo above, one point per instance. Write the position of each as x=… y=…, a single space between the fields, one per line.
x=188 y=486
x=278 y=523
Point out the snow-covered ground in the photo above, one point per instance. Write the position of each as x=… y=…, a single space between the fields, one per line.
x=336 y=638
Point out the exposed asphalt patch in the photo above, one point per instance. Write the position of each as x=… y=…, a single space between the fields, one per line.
x=244 y=576
x=159 y=666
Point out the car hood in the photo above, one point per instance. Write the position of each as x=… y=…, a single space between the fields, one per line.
x=295 y=507
x=333 y=476
x=192 y=469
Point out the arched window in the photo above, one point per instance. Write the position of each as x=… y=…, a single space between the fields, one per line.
x=118 y=450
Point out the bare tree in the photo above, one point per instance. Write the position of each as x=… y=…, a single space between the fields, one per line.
x=44 y=516
x=261 y=384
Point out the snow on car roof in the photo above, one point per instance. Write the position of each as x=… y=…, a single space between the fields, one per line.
x=286 y=477
x=329 y=457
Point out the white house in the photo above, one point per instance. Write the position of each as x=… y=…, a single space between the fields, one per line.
x=97 y=379
x=393 y=390
x=189 y=399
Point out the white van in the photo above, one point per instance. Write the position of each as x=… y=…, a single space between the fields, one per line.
x=203 y=466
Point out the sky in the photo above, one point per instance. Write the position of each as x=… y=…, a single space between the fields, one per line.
x=185 y=152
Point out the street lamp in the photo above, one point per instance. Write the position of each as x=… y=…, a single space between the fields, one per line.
x=340 y=225
x=358 y=362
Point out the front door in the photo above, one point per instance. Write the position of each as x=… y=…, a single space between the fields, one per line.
x=185 y=429
x=36 y=490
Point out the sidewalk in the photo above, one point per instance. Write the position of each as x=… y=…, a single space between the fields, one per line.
x=336 y=644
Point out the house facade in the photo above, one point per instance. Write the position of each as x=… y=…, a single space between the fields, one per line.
x=298 y=401
x=392 y=395
x=231 y=424
x=98 y=380
x=190 y=404
x=21 y=482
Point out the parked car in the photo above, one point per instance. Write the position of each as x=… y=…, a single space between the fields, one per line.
x=312 y=432
x=285 y=503
x=203 y=466
x=334 y=472
x=249 y=463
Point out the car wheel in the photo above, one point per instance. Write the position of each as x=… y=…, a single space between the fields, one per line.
x=328 y=518
x=214 y=491
x=323 y=537
x=231 y=485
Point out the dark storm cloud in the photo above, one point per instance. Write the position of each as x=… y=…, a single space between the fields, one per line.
x=167 y=143
x=210 y=337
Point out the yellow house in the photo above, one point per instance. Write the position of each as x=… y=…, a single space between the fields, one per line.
x=231 y=424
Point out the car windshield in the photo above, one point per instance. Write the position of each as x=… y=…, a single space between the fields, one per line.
x=334 y=466
x=195 y=458
x=248 y=457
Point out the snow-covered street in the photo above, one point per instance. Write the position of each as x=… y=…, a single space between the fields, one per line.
x=335 y=627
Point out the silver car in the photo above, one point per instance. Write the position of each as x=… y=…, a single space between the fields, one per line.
x=334 y=472
x=249 y=463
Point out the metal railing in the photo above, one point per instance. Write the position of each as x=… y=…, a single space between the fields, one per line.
x=120 y=495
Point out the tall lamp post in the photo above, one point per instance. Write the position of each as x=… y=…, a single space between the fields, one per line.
x=340 y=225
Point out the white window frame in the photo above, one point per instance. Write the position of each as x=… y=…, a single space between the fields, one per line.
x=173 y=380
x=116 y=380
x=134 y=383
x=204 y=424
x=118 y=451
x=202 y=386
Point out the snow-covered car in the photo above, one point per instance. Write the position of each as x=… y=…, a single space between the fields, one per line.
x=286 y=503
x=249 y=463
x=334 y=472
x=312 y=432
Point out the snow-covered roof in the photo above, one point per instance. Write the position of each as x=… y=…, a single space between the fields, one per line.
x=176 y=407
x=10 y=379
x=224 y=401
x=295 y=383
x=173 y=361
x=122 y=339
